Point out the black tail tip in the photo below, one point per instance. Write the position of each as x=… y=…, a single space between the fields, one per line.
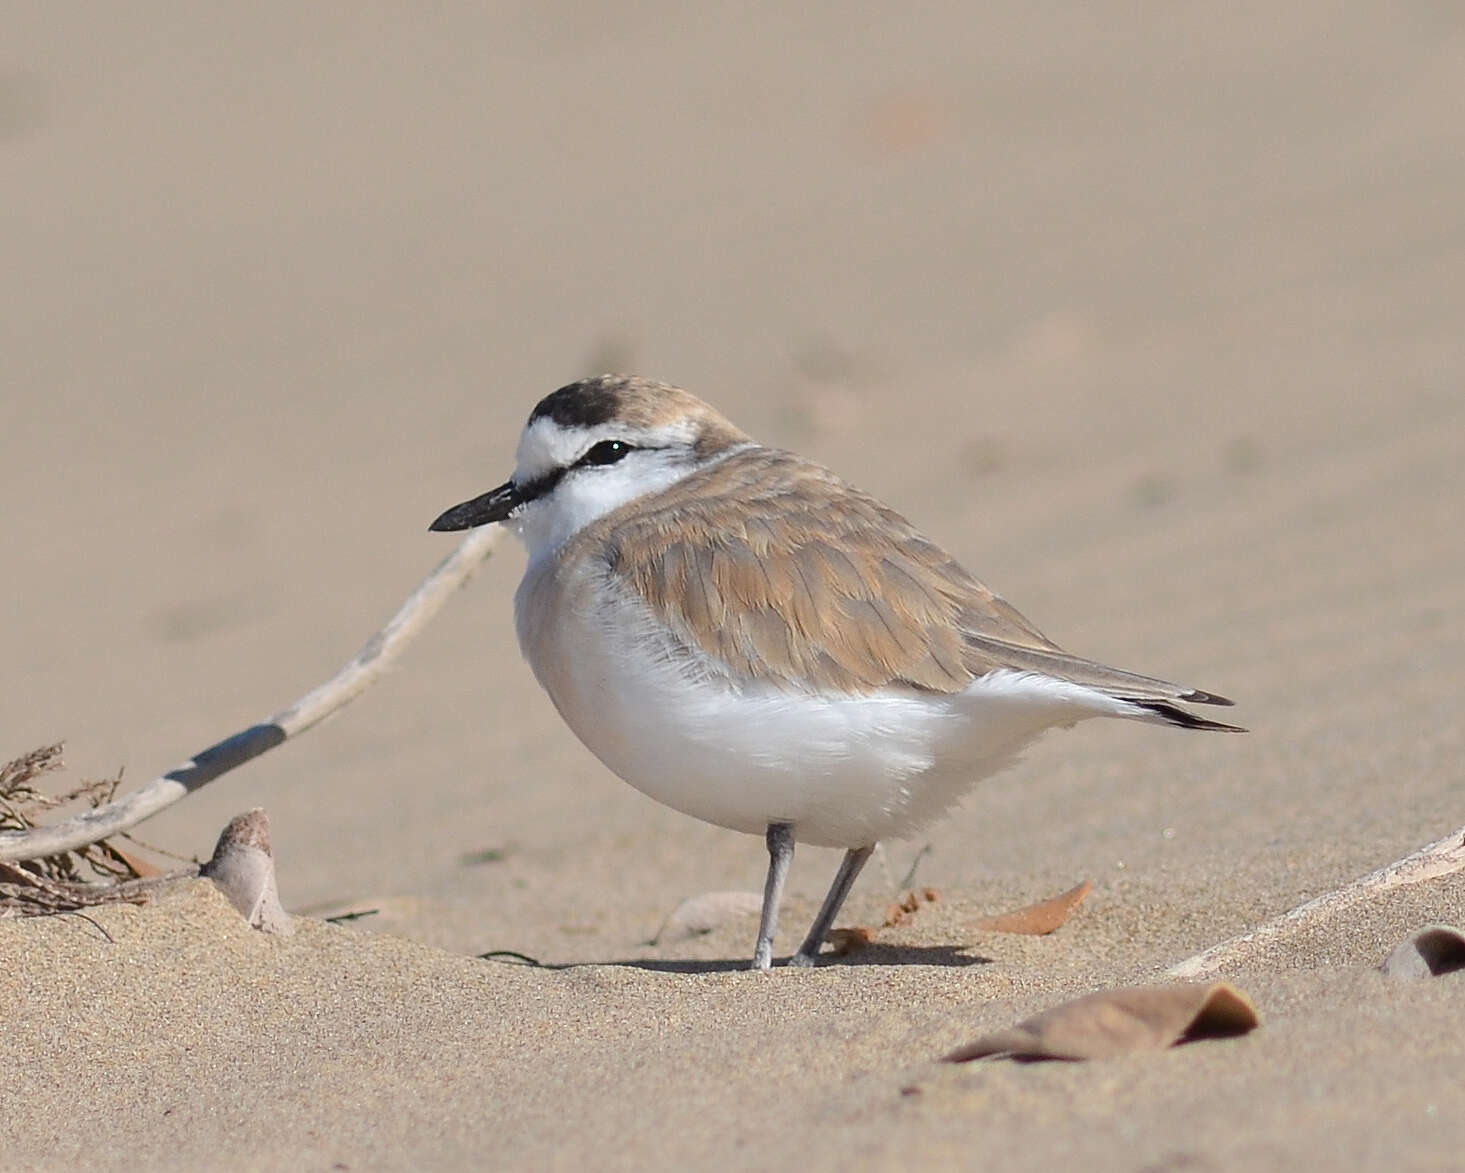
x=1174 y=715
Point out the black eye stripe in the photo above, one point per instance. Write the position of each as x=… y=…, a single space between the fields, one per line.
x=538 y=488
x=604 y=453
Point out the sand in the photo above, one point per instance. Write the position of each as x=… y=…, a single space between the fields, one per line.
x=1151 y=316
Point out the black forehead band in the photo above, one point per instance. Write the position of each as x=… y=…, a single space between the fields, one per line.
x=586 y=404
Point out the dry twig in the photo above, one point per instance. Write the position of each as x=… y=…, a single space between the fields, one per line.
x=1441 y=858
x=352 y=680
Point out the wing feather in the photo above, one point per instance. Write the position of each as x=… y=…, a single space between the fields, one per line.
x=768 y=566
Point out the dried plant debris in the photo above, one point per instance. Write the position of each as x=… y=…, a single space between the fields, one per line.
x=243 y=868
x=849 y=939
x=345 y=918
x=98 y=873
x=1034 y=919
x=1431 y=952
x=1037 y=920
x=1119 y=1022
x=242 y=865
x=909 y=905
x=473 y=859
x=1443 y=857
x=701 y=914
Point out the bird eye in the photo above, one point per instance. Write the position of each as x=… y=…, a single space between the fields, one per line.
x=606 y=452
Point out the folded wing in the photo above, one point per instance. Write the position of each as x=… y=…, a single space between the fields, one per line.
x=768 y=567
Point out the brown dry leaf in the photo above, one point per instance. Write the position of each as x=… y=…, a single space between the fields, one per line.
x=1431 y=952
x=140 y=867
x=842 y=941
x=1036 y=920
x=909 y=904
x=1117 y=1022
x=847 y=940
x=701 y=914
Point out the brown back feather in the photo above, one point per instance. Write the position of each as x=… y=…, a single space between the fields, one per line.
x=771 y=566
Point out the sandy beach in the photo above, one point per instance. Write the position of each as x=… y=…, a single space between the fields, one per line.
x=1151 y=317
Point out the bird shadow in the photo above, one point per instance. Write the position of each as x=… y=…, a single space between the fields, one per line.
x=950 y=956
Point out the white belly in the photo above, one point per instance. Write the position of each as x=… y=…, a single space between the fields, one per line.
x=846 y=771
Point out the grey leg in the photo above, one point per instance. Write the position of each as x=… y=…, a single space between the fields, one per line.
x=844 y=879
x=780 y=855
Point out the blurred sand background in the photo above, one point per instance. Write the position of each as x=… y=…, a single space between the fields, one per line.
x=1152 y=314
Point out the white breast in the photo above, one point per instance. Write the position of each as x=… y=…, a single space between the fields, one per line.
x=846 y=771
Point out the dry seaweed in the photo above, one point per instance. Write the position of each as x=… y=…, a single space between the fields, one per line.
x=96 y=873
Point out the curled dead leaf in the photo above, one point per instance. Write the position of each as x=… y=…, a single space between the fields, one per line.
x=842 y=941
x=140 y=867
x=1431 y=952
x=1036 y=920
x=1118 y=1022
x=701 y=914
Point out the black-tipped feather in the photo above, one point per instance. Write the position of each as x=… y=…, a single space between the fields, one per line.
x=1175 y=715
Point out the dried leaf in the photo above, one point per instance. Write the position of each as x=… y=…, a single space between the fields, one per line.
x=1117 y=1022
x=140 y=867
x=1431 y=952
x=1036 y=920
x=842 y=941
x=701 y=914
x=850 y=938
x=909 y=904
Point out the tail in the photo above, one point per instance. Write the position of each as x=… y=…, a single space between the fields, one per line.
x=1169 y=713
x=1148 y=697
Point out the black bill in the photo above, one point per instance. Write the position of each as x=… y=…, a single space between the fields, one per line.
x=495 y=505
